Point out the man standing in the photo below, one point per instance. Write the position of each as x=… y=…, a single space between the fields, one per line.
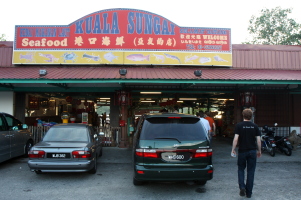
x=211 y=123
x=205 y=122
x=247 y=135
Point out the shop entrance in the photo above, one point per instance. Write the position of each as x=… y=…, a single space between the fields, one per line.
x=118 y=121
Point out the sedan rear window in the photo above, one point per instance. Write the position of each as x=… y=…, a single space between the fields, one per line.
x=179 y=128
x=66 y=134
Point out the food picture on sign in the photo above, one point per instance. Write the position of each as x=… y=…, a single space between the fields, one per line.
x=123 y=36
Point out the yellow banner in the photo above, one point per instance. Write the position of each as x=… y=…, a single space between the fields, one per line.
x=116 y=57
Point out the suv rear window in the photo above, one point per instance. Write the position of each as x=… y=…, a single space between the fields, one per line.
x=179 y=128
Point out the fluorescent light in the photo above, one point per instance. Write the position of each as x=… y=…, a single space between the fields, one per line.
x=187 y=99
x=104 y=98
x=150 y=92
x=147 y=101
x=179 y=101
x=225 y=99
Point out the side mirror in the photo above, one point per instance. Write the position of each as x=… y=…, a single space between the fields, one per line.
x=101 y=134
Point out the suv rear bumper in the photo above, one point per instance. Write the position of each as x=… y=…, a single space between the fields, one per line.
x=173 y=174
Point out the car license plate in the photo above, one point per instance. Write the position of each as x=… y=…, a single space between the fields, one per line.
x=58 y=155
x=175 y=156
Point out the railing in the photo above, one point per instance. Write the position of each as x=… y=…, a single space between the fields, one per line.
x=38 y=132
x=111 y=134
x=279 y=131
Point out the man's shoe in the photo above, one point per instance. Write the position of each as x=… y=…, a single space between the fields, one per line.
x=242 y=192
x=249 y=196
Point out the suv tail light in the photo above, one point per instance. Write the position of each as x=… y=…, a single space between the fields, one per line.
x=203 y=153
x=36 y=154
x=81 y=154
x=147 y=153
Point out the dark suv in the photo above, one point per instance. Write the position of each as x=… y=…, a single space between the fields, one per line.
x=171 y=147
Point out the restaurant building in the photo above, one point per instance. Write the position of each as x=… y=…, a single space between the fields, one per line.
x=132 y=61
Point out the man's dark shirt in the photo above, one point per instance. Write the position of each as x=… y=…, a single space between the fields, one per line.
x=247 y=132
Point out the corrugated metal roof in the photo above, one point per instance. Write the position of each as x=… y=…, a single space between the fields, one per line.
x=6 y=54
x=246 y=56
x=59 y=73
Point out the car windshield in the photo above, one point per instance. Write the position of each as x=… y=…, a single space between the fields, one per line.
x=70 y=134
x=174 y=128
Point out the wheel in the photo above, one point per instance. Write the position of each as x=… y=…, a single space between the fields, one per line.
x=94 y=169
x=38 y=171
x=136 y=182
x=200 y=182
x=28 y=146
x=287 y=151
x=272 y=151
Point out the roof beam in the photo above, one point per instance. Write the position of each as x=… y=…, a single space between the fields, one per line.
x=10 y=86
x=246 y=87
x=152 y=81
x=61 y=85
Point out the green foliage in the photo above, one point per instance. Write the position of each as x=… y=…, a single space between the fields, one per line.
x=274 y=27
x=2 y=37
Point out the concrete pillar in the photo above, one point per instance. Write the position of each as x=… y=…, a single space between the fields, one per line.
x=7 y=102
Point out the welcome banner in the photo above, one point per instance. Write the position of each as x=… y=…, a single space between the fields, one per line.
x=122 y=36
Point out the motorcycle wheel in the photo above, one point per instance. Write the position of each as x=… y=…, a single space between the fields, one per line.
x=272 y=151
x=287 y=151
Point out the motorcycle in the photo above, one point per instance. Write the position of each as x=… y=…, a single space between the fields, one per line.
x=268 y=141
x=283 y=145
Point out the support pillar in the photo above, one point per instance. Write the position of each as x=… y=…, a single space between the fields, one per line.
x=124 y=143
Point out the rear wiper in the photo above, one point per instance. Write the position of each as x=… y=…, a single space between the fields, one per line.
x=169 y=138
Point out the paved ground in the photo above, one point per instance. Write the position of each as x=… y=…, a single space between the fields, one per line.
x=276 y=178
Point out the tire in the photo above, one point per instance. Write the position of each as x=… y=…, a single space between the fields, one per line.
x=200 y=182
x=287 y=151
x=38 y=171
x=137 y=183
x=28 y=146
x=94 y=169
x=272 y=151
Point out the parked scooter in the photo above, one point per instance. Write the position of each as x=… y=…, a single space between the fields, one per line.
x=283 y=144
x=268 y=141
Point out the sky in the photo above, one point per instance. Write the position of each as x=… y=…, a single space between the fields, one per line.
x=233 y=14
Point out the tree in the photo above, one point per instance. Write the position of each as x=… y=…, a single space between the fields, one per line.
x=273 y=27
x=2 y=37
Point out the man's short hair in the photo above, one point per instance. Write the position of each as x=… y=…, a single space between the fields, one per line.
x=247 y=114
x=201 y=114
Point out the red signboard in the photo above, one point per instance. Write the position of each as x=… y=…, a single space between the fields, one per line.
x=123 y=30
